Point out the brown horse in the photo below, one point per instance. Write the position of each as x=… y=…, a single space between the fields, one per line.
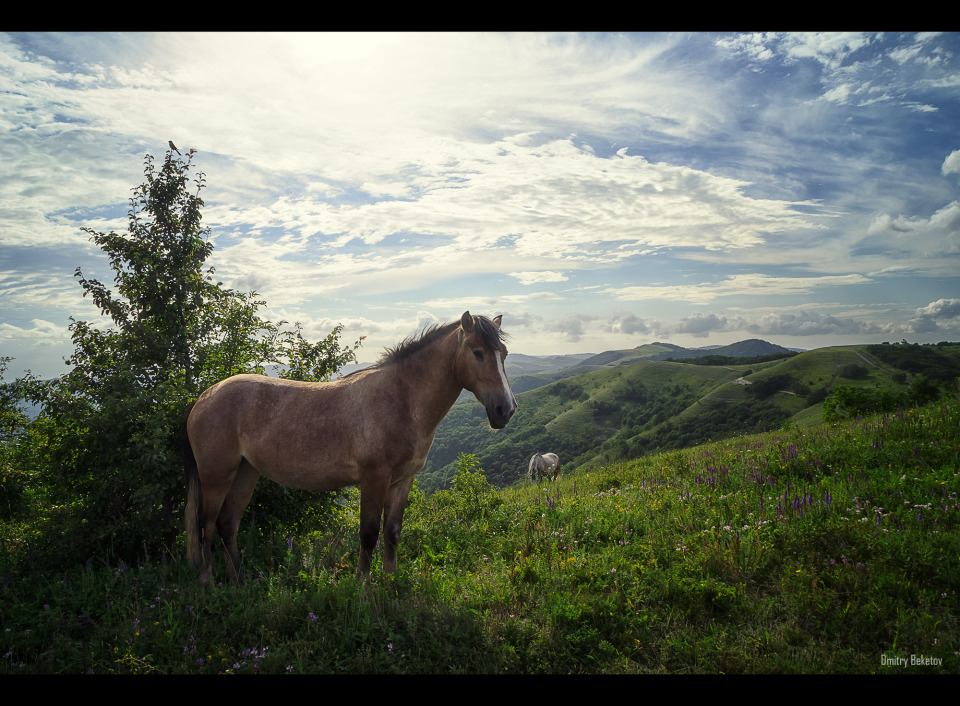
x=372 y=428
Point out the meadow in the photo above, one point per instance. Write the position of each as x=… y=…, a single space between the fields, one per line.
x=827 y=549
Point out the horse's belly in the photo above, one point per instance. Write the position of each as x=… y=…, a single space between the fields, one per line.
x=314 y=478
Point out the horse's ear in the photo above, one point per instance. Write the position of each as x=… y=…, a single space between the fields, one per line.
x=466 y=322
x=496 y=320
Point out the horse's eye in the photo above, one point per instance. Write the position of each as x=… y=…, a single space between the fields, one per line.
x=478 y=354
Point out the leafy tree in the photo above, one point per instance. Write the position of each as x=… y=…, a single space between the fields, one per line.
x=473 y=496
x=762 y=389
x=110 y=428
x=923 y=390
x=848 y=402
x=12 y=419
x=12 y=425
x=315 y=362
x=853 y=371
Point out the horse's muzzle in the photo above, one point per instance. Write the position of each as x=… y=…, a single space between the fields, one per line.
x=499 y=414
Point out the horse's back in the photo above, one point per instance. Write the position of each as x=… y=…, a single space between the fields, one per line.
x=313 y=436
x=295 y=433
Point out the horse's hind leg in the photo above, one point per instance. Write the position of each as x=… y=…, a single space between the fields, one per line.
x=228 y=521
x=216 y=484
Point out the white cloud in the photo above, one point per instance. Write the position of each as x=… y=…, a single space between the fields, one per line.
x=538 y=277
x=42 y=333
x=752 y=285
x=827 y=48
x=754 y=46
x=941 y=309
x=951 y=165
x=699 y=325
x=572 y=326
x=629 y=323
x=941 y=316
x=807 y=323
x=839 y=94
x=935 y=240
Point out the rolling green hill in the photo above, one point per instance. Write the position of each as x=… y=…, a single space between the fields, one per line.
x=595 y=412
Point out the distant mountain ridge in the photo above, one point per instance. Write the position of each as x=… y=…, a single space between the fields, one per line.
x=662 y=351
x=526 y=377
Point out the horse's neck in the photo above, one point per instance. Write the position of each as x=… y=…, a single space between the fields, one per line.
x=428 y=380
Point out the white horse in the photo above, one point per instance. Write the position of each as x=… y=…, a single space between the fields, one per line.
x=544 y=465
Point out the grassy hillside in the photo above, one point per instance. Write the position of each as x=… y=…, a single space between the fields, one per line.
x=829 y=549
x=591 y=416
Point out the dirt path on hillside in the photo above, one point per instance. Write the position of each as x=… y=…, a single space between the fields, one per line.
x=871 y=361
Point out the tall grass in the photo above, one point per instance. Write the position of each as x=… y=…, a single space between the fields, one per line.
x=830 y=549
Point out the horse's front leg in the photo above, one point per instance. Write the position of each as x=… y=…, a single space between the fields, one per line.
x=393 y=522
x=372 y=497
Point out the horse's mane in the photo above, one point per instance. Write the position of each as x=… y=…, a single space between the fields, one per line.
x=491 y=336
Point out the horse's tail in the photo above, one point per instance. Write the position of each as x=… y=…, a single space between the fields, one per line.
x=194 y=493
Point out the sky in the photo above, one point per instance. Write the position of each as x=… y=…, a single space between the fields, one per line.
x=600 y=191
